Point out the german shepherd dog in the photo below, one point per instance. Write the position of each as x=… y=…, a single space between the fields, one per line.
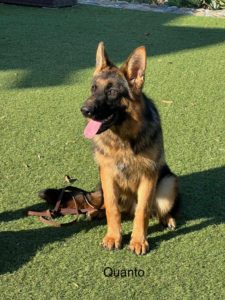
x=128 y=148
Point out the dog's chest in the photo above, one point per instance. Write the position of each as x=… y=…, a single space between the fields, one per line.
x=125 y=166
x=119 y=156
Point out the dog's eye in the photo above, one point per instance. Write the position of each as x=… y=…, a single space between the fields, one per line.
x=93 y=88
x=112 y=93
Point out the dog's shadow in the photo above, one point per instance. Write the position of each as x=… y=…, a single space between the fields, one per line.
x=202 y=199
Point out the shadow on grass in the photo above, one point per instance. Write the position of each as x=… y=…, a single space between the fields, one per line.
x=50 y=45
x=17 y=247
x=202 y=198
x=8 y=216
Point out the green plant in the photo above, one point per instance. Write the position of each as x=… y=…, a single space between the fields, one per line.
x=177 y=3
x=216 y=4
x=210 y=4
x=185 y=3
x=193 y=3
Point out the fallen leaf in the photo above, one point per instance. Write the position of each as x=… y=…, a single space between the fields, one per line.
x=26 y=165
x=68 y=179
x=167 y=101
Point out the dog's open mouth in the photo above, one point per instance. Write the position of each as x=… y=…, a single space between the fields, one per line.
x=95 y=127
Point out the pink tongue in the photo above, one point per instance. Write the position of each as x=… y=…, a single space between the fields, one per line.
x=92 y=128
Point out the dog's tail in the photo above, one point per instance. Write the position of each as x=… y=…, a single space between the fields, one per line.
x=167 y=199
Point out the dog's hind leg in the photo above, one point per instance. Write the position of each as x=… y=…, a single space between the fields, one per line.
x=166 y=200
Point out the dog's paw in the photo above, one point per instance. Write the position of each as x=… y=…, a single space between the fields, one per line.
x=171 y=223
x=139 y=248
x=110 y=242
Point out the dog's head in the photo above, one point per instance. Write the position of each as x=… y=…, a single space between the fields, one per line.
x=112 y=89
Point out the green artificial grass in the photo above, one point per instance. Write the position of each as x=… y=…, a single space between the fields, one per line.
x=46 y=63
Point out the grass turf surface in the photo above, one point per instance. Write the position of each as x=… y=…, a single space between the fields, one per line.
x=46 y=62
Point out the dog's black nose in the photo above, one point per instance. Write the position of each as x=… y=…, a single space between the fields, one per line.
x=86 y=111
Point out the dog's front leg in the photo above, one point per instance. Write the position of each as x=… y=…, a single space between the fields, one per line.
x=145 y=193
x=113 y=237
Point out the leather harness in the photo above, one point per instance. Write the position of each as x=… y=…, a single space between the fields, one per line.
x=91 y=210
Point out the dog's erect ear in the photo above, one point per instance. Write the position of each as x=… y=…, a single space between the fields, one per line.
x=134 y=68
x=102 y=60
